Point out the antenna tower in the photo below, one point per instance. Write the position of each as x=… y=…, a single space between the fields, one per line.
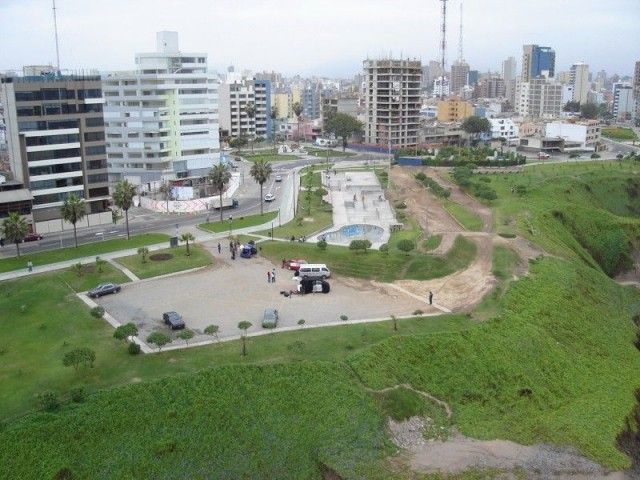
x=460 y=56
x=55 y=29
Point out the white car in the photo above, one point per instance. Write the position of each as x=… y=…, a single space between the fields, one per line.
x=269 y=197
x=278 y=178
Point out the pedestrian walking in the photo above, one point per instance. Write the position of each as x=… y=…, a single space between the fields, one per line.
x=268 y=276
x=273 y=275
x=30 y=265
x=219 y=248
x=430 y=297
x=231 y=246
x=283 y=262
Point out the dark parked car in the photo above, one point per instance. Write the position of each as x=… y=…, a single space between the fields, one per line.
x=270 y=318
x=32 y=237
x=174 y=320
x=104 y=289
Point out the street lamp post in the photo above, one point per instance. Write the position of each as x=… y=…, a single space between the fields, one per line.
x=230 y=226
x=271 y=229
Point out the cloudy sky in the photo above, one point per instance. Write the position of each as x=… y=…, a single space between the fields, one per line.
x=328 y=37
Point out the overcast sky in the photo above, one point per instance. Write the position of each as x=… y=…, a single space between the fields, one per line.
x=329 y=37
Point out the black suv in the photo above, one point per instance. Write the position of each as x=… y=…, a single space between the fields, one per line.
x=174 y=320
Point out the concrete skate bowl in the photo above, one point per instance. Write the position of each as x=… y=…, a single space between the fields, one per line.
x=360 y=231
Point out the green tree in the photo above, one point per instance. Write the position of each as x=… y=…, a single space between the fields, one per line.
x=273 y=114
x=260 y=172
x=571 y=106
x=123 y=332
x=360 y=245
x=250 y=111
x=244 y=326
x=212 y=330
x=79 y=356
x=405 y=245
x=322 y=244
x=143 y=252
x=220 y=175
x=100 y=263
x=186 y=335
x=238 y=142
x=123 y=199
x=187 y=237
x=78 y=268
x=343 y=125
x=73 y=209
x=159 y=339
x=297 y=111
x=14 y=229
x=589 y=110
x=475 y=125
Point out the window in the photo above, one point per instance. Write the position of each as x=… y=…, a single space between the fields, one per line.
x=98 y=177
x=91 y=107
x=96 y=164
x=97 y=150
x=53 y=154
x=94 y=136
x=99 y=192
x=94 y=122
x=53 y=169
x=51 y=140
x=89 y=93
x=28 y=96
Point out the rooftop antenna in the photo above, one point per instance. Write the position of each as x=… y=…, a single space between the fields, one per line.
x=460 y=56
x=443 y=44
x=55 y=29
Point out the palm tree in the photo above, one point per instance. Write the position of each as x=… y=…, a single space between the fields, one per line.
x=244 y=326
x=219 y=175
x=187 y=237
x=297 y=111
x=123 y=198
x=250 y=112
x=73 y=210
x=261 y=171
x=14 y=229
x=274 y=115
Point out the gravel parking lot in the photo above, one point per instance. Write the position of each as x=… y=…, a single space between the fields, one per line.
x=233 y=291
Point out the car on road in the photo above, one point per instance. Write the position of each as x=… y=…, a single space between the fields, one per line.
x=32 y=237
x=294 y=263
x=173 y=320
x=269 y=197
x=278 y=178
x=104 y=289
x=270 y=318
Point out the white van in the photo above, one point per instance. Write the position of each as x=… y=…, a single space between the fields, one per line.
x=314 y=270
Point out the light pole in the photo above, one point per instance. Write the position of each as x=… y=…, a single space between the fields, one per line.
x=271 y=229
x=230 y=226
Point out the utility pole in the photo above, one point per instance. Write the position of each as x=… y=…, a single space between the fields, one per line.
x=443 y=43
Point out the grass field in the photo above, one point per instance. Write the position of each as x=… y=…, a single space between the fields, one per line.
x=432 y=242
x=465 y=217
x=269 y=157
x=619 y=133
x=377 y=265
x=88 y=249
x=318 y=152
x=179 y=261
x=240 y=222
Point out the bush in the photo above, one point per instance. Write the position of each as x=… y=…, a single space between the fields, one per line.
x=384 y=248
x=418 y=312
x=77 y=395
x=322 y=244
x=49 y=401
x=344 y=318
x=507 y=235
x=595 y=156
x=320 y=192
x=434 y=186
x=406 y=245
x=97 y=311
x=484 y=191
x=360 y=245
x=574 y=155
x=133 y=348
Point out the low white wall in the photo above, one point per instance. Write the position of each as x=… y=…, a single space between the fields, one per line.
x=59 y=225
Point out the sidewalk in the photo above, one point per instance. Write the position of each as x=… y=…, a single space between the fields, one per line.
x=286 y=215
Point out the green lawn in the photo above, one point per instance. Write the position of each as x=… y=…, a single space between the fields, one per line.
x=318 y=152
x=179 y=261
x=239 y=222
x=619 y=133
x=269 y=157
x=89 y=276
x=88 y=249
x=432 y=242
x=469 y=220
x=377 y=265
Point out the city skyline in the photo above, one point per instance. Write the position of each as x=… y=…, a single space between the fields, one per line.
x=259 y=36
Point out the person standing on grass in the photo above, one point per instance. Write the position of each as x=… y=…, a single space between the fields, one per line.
x=273 y=275
x=30 y=266
x=430 y=297
x=268 y=276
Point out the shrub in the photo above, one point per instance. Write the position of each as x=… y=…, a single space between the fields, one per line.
x=344 y=318
x=79 y=356
x=574 y=155
x=97 y=311
x=125 y=331
x=133 y=348
x=49 y=401
x=301 y=322
x=507 y=235
x=159 y=339
x=320 y=192
x=322 y=245
x=418 y=312
x=595 y=156
x=360 y=245
x=77 y=395
x=384 y=248
x=406 y=245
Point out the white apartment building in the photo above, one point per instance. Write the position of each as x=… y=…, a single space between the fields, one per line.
x=576 y=136
x=392 y=102
x=235 y=94
x=538 y=98
x=579 y=79
x=441 y=87
x=162 y=120
x=503 y=128
x=623 y=103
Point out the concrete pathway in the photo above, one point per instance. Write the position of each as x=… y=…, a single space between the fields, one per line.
x=132 y=276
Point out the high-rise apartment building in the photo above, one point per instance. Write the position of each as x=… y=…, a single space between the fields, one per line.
x=623 y=104
x=509 y=76
x=537 y=61
x=56 y=140
x=392 y=102
x=579 y=79
x=538 y=98
x=162 y=119
x=441 y=87
x=312 y=101
x=236 y=93
x=636 y=88
x=459 y=76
